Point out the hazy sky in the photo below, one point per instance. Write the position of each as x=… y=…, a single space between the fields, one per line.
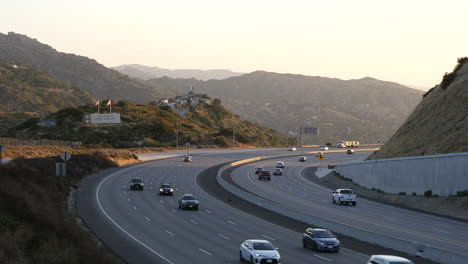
x=407 y=41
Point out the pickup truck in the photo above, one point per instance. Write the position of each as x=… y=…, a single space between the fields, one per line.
x=344 y=196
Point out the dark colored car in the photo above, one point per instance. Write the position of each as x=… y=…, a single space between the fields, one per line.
x=137 y=184
x=264 y=175
x=166 y=189
x=303 y=159
x=320 y=240
x=187 y=158
x=350 y=151
x=258 y=170
x=188 y=201
x=277 y=171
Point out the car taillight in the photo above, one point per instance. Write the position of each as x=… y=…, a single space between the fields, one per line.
x=342 y=196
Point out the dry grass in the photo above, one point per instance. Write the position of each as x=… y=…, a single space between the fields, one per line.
x=35 y=226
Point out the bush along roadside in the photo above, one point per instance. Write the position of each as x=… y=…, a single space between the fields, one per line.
x=35 y=226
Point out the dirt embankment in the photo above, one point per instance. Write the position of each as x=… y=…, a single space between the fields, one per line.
x=35 y=225
x=456 y=207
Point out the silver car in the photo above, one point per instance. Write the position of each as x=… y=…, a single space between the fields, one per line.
x=259 y=251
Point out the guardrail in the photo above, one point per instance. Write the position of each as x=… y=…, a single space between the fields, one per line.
x=413 y=248
x=40 y=142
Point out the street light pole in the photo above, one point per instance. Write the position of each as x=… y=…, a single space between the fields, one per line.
x=233 y=136
x=177 y=136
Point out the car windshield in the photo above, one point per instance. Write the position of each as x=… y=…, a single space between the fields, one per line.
x=346 y=191
x=137 y=180
x=323 y=234
x=166 y=186
x=189 y=197
x=263 y=246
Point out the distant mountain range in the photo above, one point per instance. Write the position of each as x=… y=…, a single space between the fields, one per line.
x=78 y=71
x=146 y=73
x=367 y=109
x=439 y=124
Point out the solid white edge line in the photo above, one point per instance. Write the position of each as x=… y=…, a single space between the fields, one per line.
x=194 y=222
x=117 y=225
x=223 y=236
x=148 y=219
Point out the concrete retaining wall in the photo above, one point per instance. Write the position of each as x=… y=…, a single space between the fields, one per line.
x=443 y=174
x=435 y=254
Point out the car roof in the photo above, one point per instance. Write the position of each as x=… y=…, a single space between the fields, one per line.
x=165 y=183
x=316 y=229
x=389 y=257
x=258 y=241
x=137 y=178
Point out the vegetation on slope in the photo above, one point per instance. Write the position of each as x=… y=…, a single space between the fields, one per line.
x=35 y=225
x=206 y=124
x=439 y=124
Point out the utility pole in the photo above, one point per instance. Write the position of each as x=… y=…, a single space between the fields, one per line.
x=233 y=136
x=300 y=136
x=177 y=135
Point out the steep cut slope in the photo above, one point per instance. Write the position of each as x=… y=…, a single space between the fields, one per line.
x=78 y=71
x=146 y=72
x=367 y=109
x=439 y=124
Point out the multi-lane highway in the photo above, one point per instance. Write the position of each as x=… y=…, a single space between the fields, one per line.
x=143 y=227
x=295 y=191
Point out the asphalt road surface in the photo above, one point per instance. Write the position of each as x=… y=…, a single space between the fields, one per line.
x=143 y=227
x=295 y=191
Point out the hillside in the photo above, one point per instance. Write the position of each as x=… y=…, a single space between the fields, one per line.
x=78 y=71
x=367 y=109
x=26 y=92
x=439 y=124
x=146 y=72
x=205 y=124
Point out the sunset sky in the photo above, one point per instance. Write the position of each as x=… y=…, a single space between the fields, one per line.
x=409 y=42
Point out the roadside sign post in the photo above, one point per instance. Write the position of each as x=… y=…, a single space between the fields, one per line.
x=61 y=167
x=139 y=143
x=2 y=149
x=320 y=156
x=187 y=145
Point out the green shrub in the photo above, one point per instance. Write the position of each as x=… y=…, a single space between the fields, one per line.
x=379 y=191
x=462 y=193
x=414 y=194
x=402 y=193
x=428 y=193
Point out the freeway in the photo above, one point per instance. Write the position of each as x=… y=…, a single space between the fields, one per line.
x=143 y=227
x=295 y=191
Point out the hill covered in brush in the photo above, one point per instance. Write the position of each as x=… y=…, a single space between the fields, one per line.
x=207 y=123
x=439 y=124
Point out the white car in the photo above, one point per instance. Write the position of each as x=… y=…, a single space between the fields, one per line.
x=323 y=148
x=387 y=259
x=259 y=251
x=292 y=149
x=280 y=164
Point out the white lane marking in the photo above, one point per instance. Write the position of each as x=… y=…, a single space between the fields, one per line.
x=194 y=222
x=206 y=252
x=151 y=183
x=231 y=222
x=225 y=237
x=322 y=257
x=148 y=219
x=167 y=231
x=124 y=186
x=208 y=211
x=161 y=201
x=267 y=237
x=154 y=194
x=174 y=210
x=134 y=207
x=128 y=199
x=125 y=192
x=115 y=223
x=151 y=188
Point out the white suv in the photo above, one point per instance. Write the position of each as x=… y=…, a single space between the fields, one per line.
x=259 y=251
x=387 y=259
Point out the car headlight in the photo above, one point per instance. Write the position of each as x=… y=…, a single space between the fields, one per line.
x=257 y=255
x=320 y=243
x=160 y=189
x=171 y=190
x=337 y=243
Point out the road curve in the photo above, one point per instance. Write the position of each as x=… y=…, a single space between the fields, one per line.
x=295 y=191
x=143 y=227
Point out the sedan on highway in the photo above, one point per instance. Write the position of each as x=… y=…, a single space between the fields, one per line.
x=137 y=184
x=292 y=149
x=278 y=171
x=264 y=175
x=303 y=159
x=323 y=148
x=166 y=189
x=259 y=251
x=387 y=259
x=258 y=170
x=187 y=158
x=280 y=164
x=320 y=240
x=350 y=151
x=188 y=201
